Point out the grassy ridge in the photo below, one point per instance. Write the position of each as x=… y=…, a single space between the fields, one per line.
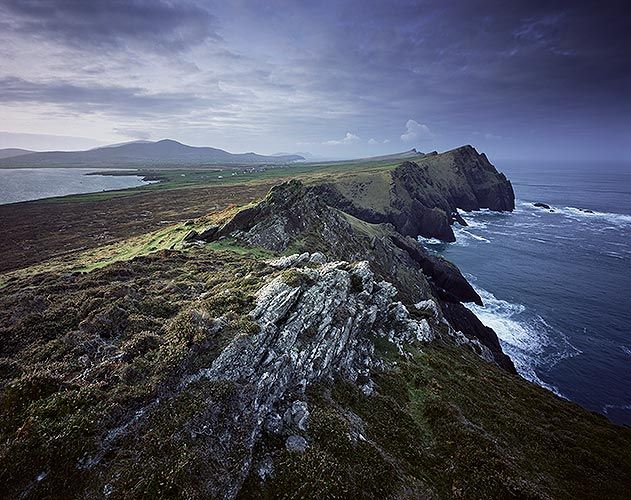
x=182 y=178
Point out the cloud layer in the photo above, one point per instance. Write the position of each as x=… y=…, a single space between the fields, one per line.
x=272 y=76
x=416 y=132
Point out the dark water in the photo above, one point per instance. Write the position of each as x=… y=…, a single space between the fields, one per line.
x=23 y=184
x=556 y=284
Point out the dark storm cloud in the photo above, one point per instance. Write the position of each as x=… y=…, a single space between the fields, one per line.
x=522 y=66
x=534 y=50
x=155 y=23
x=512 y=76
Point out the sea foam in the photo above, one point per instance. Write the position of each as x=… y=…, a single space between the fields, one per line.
x=527 y=338
x=580 y=215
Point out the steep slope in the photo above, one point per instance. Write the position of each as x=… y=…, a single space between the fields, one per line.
x=422 y=197
x=296 y=219
x=223 y=371
x=289 y=350
x=143 y=153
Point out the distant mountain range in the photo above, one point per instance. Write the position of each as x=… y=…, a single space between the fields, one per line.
x=13 y=152
x=138 y=154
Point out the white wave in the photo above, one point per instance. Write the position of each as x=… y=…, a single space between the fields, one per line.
x=500 y=233
x=482 y=212
x=476 y=224
x=608 y=217
x=528 y=340
x=430 y=241
x=614 y=255
x=464 y=236
x=606 y=408
x=614 y=220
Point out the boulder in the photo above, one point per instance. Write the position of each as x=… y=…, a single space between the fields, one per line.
x=296 y=444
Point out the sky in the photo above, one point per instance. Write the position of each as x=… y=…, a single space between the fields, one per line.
x=521 y=79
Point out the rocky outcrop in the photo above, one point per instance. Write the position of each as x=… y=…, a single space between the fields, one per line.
x=421 y=197
x=316 y=323
x=295 y=217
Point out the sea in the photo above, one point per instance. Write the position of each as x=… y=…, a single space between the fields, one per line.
x=24 y=184
x=556 y=283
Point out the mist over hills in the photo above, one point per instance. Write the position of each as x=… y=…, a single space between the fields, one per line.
x=134 y=154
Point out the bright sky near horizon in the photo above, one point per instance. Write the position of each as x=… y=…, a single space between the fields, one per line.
x=337 y=78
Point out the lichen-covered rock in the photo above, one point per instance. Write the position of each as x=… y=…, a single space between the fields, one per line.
x=316 y=323
x=297 y=416
x=296 y=444
x=290 y=260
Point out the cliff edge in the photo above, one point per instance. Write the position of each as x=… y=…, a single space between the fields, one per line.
x=422 y=197
x=288 y=349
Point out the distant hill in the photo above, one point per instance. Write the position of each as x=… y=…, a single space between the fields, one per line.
x=137 y=154
x=411 y=154
x=307 y=156
x=13 y=152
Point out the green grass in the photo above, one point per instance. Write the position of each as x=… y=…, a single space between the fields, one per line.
x=163 y=239
x=231 y=246
x=107 y=343
x=194 y=177
x=447 y=424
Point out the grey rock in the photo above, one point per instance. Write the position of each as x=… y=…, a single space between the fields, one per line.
x=297 y=416
x=308 y=332
x=265 y=468
x=317 y=258
x=287 y=261
x=429 y=306
x=190 y=236
x=296 y=444
x=208 y=233
x=273 y=423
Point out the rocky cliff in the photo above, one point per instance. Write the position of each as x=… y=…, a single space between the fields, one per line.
x=298 y=219
x=422 y=197
x=290 y=350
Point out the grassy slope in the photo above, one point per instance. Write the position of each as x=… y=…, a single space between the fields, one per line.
x=83 y=352
x=183 y=178
x=64 y=227
x=443 y=423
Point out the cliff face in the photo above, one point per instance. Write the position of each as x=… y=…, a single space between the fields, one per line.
x=298 y=219
x=421 y=197
x=291 y=350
